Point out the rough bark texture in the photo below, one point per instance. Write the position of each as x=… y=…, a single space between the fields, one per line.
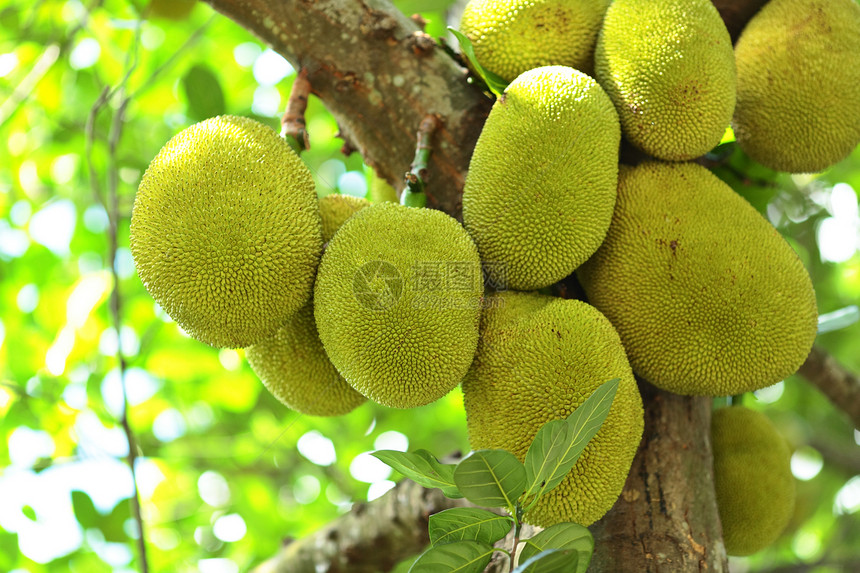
x=371 y=537
x=666 y=519
x=379 y=75
x=834 y=381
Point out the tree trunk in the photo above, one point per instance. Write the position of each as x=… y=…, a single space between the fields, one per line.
x=380 y=75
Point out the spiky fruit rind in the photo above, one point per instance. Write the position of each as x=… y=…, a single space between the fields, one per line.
x=397 y=299
x=335 y=209
x=225 y=232
x=707 y=296
x=295 y=368
x=753 y=480
x=785 y=119
x=669 y=67
x=512 y=36
x=541 y=184
x=539 y=358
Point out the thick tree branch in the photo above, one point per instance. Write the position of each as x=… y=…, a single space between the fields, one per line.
x=371 y=537
x=838 y=384
x=379 y=75
x=666 y=518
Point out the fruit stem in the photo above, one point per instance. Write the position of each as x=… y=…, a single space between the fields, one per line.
x=414 y=193
x=293 y=121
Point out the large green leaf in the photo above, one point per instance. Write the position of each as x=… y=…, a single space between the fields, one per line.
x=568 y=536
x=559 y=443
x=204 y=93
x=496 y=83
x=422 y=467
x=492 y=478
x=468 y=524
x=550 y=561
x=85 y=510
x=457 y=557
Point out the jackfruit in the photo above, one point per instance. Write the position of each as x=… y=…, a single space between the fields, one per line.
x=541 y=184
x=512 y=36
x=752 y=476
x=798 y=74
x=707 y=296
x=335 y=209
x=293 y=364
x=669 y=67
x=397 y=303
x=380 y=190
x=225 y=231
x=538 y=359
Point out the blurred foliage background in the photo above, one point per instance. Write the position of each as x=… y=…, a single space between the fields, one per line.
x=89 y=92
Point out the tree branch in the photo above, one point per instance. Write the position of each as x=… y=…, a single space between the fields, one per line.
x=841 y=386
x=379 y=75
x=666 y=517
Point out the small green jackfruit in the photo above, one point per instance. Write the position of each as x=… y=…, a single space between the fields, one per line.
x=512 y=36
x=542 y=180
x=335 y=209
x=295 y=368
x=293 y=364
x=669 y=67
x=752 y=476
x=707 y=296
x=380 y=190
x=798 y=76
x=225 y=232
x=397 y=303
x=538 y=359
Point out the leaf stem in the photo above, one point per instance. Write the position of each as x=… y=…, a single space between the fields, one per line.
x=414 y=195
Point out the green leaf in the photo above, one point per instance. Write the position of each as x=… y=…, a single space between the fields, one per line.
x=204 y=93
x=550 y=561
x=468 y=524
x=457 y=557
x=29 y=512
x=497 y=84
x=559 y=443
x=85 y=511
x=571 y=536
x=492 y=478
x=423 y=468
x=838 y=319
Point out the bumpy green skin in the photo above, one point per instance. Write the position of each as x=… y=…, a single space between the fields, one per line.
x=293 y=364
x=542 y=180
x=226 y=232
x=798 y=71
x=335 y=209
x=669 y=67
x=539 y=358
x=707 y=296
x=398 y=297
x=512 y=36
x=380 y=190
x=752 y=475
x=295 y=368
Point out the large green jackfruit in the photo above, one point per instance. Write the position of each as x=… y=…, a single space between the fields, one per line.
x=798 y=76
x=539 y=358
x=669 y=67
x=397 y=303
x=513 y=36
x=541 y=184
x=707 y=296
x=293 y=364
x=226 y=232
x=753 y=480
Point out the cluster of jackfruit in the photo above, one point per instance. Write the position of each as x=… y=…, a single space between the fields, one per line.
x=687 y=286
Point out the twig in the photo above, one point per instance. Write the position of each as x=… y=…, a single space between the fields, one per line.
x=416 y=177
x=840 y=385
x=293 y=120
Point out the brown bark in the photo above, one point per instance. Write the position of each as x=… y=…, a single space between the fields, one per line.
x=666 y=518
x=736 y=13
x=841 y=386
x=379 y=75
